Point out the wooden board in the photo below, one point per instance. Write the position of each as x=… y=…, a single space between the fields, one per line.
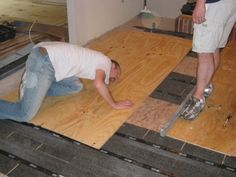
x=154 y=114
x=146 y=59
x=215 y=128
x=187 y=66
x=53 y=2
x=11 y=46
x=25 y=10
x=12 y=81
x=212 y=129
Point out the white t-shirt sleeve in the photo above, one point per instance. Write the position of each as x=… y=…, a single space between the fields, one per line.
x=71 y=60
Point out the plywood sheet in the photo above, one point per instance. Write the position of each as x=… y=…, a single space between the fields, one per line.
x=187 y=66
x=154 y=114
x=216 y=127
x=146 y=59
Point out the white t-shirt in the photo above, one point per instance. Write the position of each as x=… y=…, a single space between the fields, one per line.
x=71 y=60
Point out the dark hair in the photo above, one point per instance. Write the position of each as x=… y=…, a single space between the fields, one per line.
x=116 y=63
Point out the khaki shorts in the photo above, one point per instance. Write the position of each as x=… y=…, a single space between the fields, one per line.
x=214 y=32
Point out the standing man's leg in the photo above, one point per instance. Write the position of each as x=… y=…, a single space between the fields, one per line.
x=216 y=56
x=200 y=92
x=209 y=36
x=205 y=71
x=208 y=64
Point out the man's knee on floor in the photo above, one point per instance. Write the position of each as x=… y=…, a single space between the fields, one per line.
x=26 y=116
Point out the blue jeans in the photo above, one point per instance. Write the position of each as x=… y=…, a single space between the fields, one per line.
x=39 y=81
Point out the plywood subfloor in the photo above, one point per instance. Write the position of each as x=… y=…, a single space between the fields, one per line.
x=26 y=10
x=216 y=127
x=154 y=114
x=146 y=59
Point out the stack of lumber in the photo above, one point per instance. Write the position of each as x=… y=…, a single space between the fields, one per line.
x=51 y=2
x=11 y=46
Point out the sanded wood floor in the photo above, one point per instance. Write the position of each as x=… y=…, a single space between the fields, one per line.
x=146 y=59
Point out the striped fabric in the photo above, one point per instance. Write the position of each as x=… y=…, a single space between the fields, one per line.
x=184 y=24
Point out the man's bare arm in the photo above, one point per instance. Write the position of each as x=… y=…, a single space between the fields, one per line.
x=199 y=12
x=106 y=94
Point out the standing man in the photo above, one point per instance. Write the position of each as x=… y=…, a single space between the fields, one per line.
x=54 y=69
x=213 y=22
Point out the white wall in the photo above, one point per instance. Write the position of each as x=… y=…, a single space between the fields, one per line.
x=166 y=8
x=89 y=19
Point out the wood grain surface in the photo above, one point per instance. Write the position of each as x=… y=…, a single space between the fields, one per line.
x=215 y=127
x=146 y=59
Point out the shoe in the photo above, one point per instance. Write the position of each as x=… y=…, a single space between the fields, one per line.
x=22 y=86
x=192 y=108
x=208 y=90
